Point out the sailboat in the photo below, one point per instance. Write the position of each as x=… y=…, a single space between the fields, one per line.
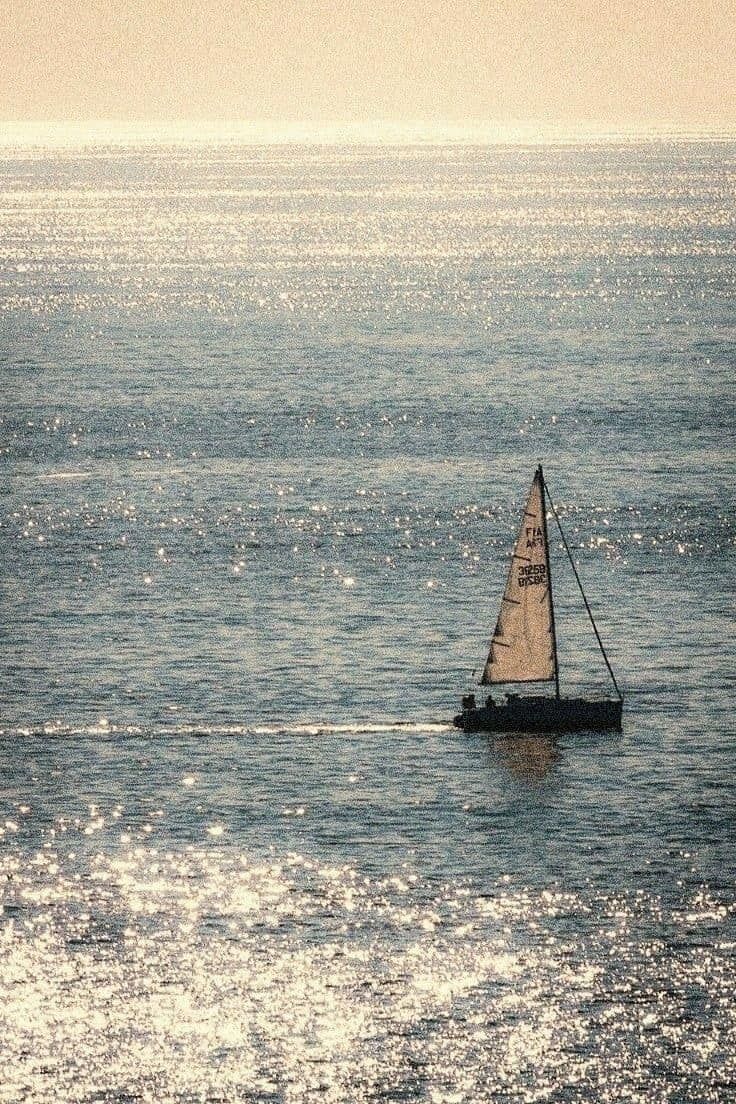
x=524 y=644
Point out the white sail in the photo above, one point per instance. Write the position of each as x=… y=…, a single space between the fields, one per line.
x=522 y=649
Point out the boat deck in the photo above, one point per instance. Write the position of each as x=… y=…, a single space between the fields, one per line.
x=538 y=714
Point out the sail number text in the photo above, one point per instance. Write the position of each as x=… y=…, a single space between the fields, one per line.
x=532 y=575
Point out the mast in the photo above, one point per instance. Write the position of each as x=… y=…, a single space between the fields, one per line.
x=580 y=586
x=543 y=485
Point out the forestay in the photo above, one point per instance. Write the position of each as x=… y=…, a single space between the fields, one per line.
x=522 y=649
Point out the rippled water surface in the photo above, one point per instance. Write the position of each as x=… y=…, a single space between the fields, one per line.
x=269 y=418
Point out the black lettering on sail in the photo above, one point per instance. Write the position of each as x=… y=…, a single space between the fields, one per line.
x=532 y=575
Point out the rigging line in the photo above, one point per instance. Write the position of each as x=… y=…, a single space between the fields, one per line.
x=585 y=600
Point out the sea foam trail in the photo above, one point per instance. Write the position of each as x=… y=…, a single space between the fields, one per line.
x=106 y=728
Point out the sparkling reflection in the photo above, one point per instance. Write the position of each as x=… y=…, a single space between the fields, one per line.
x=202 y=974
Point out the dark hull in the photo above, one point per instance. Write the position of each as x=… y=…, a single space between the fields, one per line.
x=542 y=715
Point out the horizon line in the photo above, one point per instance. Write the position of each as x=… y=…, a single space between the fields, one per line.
x=121 y=131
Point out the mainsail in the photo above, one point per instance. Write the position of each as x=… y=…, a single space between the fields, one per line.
x=523 y=645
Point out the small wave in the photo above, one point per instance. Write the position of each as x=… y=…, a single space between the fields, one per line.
x=52 y=476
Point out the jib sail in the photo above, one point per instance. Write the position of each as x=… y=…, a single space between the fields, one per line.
x=523 y=647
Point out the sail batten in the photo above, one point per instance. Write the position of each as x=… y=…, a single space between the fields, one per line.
x=522 y=647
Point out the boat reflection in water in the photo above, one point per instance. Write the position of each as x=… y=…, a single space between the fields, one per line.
x=529 y=758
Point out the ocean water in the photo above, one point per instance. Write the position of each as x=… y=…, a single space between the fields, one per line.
x=270 y=414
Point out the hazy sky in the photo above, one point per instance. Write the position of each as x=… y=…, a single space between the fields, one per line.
x=616 y=62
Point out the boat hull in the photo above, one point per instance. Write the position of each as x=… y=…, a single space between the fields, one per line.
x=536 y=714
